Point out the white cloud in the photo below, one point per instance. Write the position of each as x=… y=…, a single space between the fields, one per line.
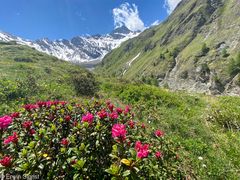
x=170 y=5
x=128 y=15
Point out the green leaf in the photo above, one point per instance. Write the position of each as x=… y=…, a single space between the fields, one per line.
x=75 y=177
x=82 y=147
x=136 y=169
x=41 y=166
x=24 y=152
x=115 y=148
x=53 y=128
x=97 y=143
x=60 y=120
x=63 y=150
x=113 y=156
x=62 y=111
x=126 y=173
x=70 y=107
x=32 y=144
x=25 y=166
x=109 y=171
x=79 y=165
x=114 y=169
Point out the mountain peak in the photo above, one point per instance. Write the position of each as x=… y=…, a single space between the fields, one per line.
x=121 y=30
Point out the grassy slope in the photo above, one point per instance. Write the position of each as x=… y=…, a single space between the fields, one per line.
x=178 y=32
x=184 y=117
x=191 y=120
x=44 y=77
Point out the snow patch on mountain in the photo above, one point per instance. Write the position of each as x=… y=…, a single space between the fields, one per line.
x=129 y=63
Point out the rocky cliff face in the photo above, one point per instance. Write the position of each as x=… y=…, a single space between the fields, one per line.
x=192 y=50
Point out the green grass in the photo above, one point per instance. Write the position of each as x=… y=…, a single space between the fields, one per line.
x=27 y=75
x=186 y=118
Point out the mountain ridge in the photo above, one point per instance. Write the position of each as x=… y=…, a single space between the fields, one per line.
x=78 y=49
x=191 y=50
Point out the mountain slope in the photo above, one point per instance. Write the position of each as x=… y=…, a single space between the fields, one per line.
x=191 y=50
x=26 y=73
x=78 y=49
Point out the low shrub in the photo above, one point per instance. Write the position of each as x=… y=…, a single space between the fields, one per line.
x=94 y=140
x=85 y=84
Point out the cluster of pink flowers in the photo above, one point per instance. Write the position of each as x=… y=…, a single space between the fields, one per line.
x=131 y=123
x=30 y=107
x=142 y=150
x=159 y=133
x=5 y=121
x=113 y=115
x=13 y=139
x=119 y=131
x=32 y=131
x=27 y=124
x=111 y=107
x=119 y=110
x=40 y=104
x=102 y=114
x=127 y=110
x=88 y=118
x=50 y=103
x=6 y=161
x=15 y=115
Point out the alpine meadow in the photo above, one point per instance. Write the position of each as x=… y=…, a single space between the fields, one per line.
x=157 y=101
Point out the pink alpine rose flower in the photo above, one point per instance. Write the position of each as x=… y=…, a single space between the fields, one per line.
x=15 y=115
x=127 y=110
x=143 y=126
x=102 y=114
x=111 y=107
x=32 y=132
x=113 y=115
x=119 y=110
x=142 y=150
x=64 y=142
x=138 y=145
x=6 y=161
x=131 y=123
x=5 y=121
x=67 y=118
x=30 y=107
x=88 y=118
x=13 y=139
x=119 y=131
x=158 y=154
x=142 y=154
x=41 y=104
x=159 y=133
x=27 y=124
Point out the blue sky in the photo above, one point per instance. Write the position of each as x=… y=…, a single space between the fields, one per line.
x=34 y=19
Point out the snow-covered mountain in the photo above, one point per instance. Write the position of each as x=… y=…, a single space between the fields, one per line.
x=80 y=49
